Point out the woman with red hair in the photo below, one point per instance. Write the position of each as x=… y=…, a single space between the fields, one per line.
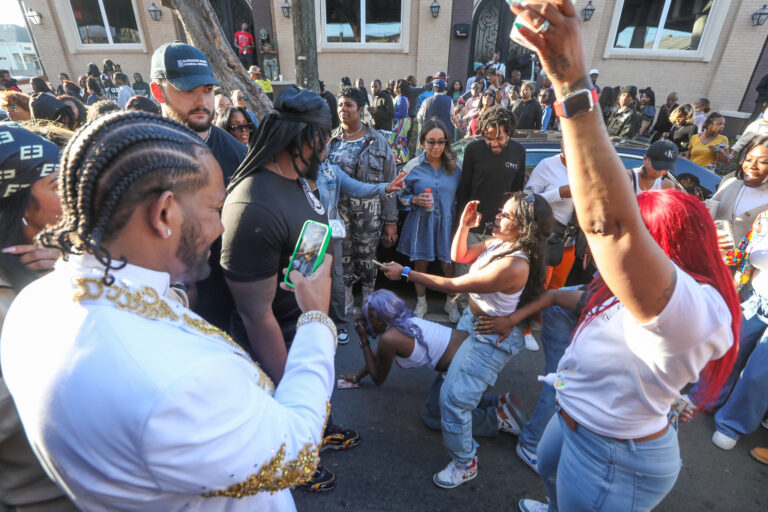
x=662 y=311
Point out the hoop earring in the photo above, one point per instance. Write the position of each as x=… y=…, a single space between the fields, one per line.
x=24 y=221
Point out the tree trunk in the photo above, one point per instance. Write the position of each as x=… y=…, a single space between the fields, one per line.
x=204 y=32
x=305 y=42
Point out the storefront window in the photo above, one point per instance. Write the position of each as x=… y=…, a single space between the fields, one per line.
x=344 y=21
x=105 y=21
x=662 y=24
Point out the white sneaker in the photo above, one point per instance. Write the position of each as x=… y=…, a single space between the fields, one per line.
x=528 y=457
x=453 y=314
x=455 y=474
x=530 y=343
x=421 y=307
x=533 y=506
x=722 y=441
x=509 y=415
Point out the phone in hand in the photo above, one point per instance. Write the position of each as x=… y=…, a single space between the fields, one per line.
x=724 y=228
x=310 y=249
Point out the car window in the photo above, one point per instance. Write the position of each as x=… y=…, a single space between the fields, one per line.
x=631 y=161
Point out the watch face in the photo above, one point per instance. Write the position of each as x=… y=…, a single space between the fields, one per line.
x=578 y=103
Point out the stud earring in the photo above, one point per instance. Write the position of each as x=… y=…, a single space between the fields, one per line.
x=24 y=221
x=168 y=231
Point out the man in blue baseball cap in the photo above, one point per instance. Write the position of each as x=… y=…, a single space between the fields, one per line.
x=658 y=160
x=183 y=81
x=439 y=106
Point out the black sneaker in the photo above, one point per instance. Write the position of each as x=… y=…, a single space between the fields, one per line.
x=337 y=438
x=322 y=481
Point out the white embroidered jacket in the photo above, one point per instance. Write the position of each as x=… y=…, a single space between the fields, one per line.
x=134 y=403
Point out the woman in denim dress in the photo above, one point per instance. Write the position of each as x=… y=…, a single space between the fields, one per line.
x=426 y=234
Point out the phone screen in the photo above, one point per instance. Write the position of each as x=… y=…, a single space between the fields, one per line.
x=310 y=249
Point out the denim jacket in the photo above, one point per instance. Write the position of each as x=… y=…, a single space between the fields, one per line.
x=376 y=164
x=332 y=182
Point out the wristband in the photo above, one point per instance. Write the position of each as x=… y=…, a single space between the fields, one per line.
x=365 y=343
x=406 y=270
x=320 y=317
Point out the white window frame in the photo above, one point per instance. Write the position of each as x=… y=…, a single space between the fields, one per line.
x=402 y=47
x=72 y=34
x=704 y=53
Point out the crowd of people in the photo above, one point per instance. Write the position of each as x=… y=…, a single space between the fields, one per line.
x=154 y=224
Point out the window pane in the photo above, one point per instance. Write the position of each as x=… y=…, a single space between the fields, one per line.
x=638 y=24
x=90 y=24
x=121 y=21
x=382 y=21
x=342 y=21
x=685 y=24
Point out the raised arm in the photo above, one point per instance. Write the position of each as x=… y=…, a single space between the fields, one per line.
x=460 y=251
x=623 y=249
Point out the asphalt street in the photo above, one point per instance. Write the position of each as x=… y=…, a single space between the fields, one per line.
x=392 y=467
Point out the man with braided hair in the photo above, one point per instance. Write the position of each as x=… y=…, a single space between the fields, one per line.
x=183 y=82
x=138 y=403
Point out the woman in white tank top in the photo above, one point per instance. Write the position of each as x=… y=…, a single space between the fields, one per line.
x=508 y=270
x=412 y=342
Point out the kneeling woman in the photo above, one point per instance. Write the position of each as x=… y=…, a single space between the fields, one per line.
x=412 y=342
x=507 y=271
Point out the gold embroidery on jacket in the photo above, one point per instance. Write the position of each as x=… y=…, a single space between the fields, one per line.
x=148 y=303
x=275 y=475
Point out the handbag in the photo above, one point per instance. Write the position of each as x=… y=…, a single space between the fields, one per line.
x=556 y=241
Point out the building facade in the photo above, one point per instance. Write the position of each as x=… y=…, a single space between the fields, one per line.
x=17 y=54
x=73 y=33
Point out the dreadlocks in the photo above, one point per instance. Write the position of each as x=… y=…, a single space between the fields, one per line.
x=109 y=168
x=497 y=117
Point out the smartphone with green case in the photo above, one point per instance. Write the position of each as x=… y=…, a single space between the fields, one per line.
x=310 y=249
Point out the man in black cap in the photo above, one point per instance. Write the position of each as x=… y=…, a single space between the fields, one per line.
x=270 y=197
x=183 y=82
x=658 y=160
x=625 y=121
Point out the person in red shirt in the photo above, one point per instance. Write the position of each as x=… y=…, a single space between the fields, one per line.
x=244 y=42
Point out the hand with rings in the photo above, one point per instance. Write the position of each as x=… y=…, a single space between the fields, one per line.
x=557 y=38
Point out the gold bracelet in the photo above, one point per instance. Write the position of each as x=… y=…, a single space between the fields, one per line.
x=319 y=316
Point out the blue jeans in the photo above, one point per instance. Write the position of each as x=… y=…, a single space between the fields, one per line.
x=484 y=420
x=748 y=403
x=474 y=368
x=583 y=471
x=557 y=325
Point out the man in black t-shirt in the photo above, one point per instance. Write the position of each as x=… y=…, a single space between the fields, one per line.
x=182 y=81
x=270 y=197
x=492 y=167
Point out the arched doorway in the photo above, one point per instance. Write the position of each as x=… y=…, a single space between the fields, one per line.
x=491 y=25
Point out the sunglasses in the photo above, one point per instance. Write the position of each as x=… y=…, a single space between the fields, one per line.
x=436 y=142
x=241 y=98
x=241 y=127
x=529 y=198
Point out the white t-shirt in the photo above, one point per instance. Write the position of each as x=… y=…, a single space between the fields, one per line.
x=546 y=179
x=619 y=378
x=758 y=257
x=436 y=338
x=750 y=198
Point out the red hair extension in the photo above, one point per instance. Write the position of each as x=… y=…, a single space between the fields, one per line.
x=683 y=228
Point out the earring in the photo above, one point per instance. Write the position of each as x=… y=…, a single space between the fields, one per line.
x=24 y=221
x=168 y=231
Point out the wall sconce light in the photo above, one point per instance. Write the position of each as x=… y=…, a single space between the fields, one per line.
x=286 y=7
x=36 y=18
x=435 y=8
x=154 y=12
x=588 y=11
x=760 y=16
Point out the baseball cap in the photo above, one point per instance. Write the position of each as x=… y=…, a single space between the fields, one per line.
x=663 y=155
x=439 y=85
x=183 y=65
x=593 y=72
x=441 y=75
